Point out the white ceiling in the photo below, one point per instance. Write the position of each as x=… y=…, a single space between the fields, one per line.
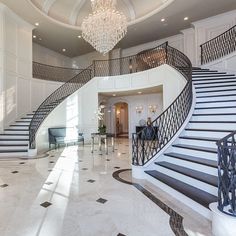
x=59 y=20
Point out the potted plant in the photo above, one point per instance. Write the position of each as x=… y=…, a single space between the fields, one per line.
x=102 y=129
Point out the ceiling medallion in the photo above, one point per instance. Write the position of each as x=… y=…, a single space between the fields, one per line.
x=105 y=27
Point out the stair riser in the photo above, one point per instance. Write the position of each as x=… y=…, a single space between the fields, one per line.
x=215 y=111
x=212 y=126
x=191 y=152
x=214 y=118
x=13 y=154
x=197 y=143
x=191 y=165
x=201 y=84
x=205 y=134
x=202 y=77
x=199 y=99
x=196 y=183
x=2 y=137
x=18 y=127
x=215 y=93
x=216 y=104
x=16 y=132
x=13 y=142
x=6 y=148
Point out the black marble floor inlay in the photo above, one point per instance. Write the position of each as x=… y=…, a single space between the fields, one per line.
x=49 y=170
x=101 y=200
x=176 y=220
x=49 y=183
x=14 y=172
x=3 y=185
x=46 y=204
x=84 y=168
x=51 y=162
x=116 y=167
x=80 y=160
x=119 y=234
x=91 y=181
x=22 y=163
x=123 y=153
x=107 y=159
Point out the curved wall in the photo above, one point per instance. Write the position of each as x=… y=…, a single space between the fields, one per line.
x=78 y=109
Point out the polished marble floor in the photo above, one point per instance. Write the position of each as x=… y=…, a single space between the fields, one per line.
x=71 y=192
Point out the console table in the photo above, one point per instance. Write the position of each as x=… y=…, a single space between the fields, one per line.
x=102 y=137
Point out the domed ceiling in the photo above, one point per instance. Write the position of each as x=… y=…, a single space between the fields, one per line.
x=72 y=12
x=59 y=21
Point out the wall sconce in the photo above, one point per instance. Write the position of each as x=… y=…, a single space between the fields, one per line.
x=139 y=109
x=152 y=108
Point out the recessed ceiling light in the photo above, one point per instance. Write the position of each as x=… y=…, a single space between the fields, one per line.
x=63 y=49
x=163 y=19
x=37 y=24
x=34 y=36
x=79 y=36
x=139 y=92
x=186 y=18
x=113 y=95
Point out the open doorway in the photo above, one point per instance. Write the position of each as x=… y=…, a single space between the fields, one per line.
x=121 y=120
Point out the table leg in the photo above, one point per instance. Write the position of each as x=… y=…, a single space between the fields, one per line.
x=112 y=144
x=92 y=145
x=106 y=146
x=100 y=143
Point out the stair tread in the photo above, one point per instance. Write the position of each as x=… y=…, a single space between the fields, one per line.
x=211 y=79
x=232 y=100
x=201 y=176
x=196 y=148
x=202 y=108
x=16 y=129
x=13 y=150
x=194 y=159
x=215 y=86
x=206 y=121
x=200 y=138
x=210 y=130
x=212 y=76
x=215 y=114
x=216 y=91
x=193 y=193
x=14 y=145
x=216 y=82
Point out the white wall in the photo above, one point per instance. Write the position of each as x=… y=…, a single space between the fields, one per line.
x=211 y=27
x=144 y=100
x=78 y=109
x=15 y=66
x=46 y=56
x=86 y=60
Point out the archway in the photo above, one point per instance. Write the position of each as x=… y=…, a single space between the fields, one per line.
x=121 y=120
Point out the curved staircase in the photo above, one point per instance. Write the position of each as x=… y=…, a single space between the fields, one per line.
x=189 y=165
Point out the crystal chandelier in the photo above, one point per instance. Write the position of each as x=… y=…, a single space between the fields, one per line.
x=105 y=27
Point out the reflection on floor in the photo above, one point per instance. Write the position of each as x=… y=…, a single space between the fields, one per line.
x=72 y=193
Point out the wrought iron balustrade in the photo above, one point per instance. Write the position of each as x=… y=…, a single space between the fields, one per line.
x=227 y=174
x=56 y=98
x=53 y=73
x=148 y=142
x=168 y=123
x=219 y=46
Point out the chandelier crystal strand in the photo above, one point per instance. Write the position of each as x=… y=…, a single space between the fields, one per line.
x=105 y=27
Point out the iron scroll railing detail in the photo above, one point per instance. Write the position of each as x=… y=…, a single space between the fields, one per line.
x=149 y=141
x=227 y=174
x=56 y=98
x=219 y=46
x=53 y=73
